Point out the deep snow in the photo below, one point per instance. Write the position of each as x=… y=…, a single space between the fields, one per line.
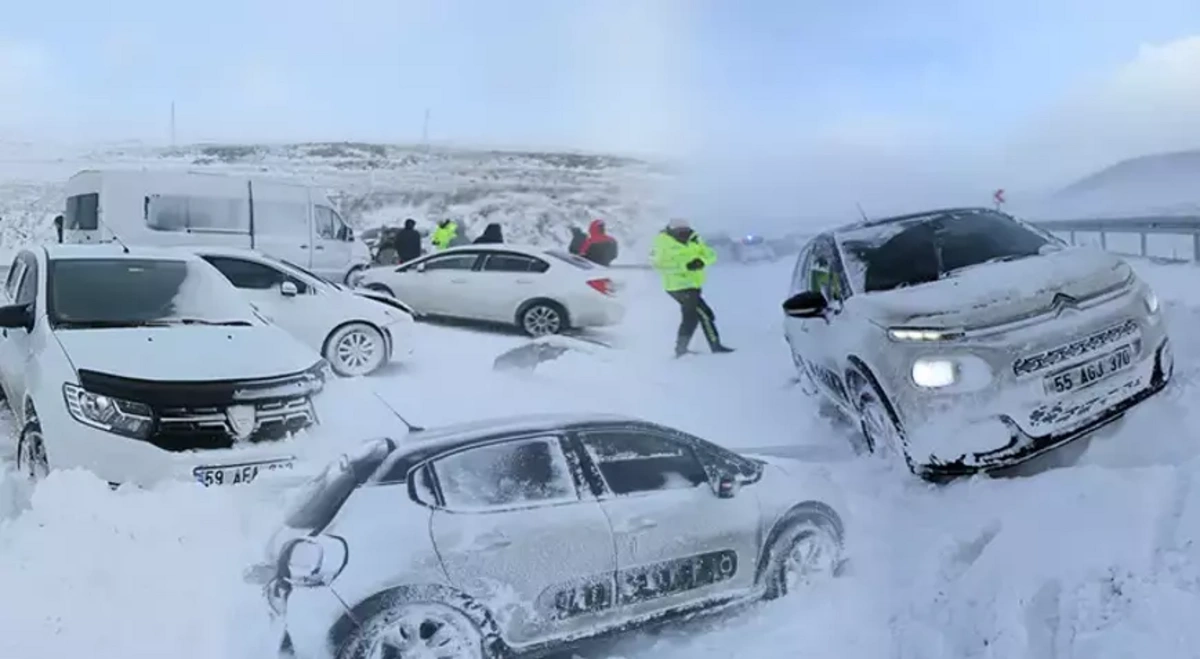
x=1094 y=560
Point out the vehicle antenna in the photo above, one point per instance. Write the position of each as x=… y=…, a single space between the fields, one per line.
x=862 y=212
x=411 y=427
x=116 y=238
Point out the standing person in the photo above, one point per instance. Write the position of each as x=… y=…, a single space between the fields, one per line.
x=598 y=247
x=682 y=258
x=58 y=227
x=444 y=235
x=492 y=235
x=407 y=241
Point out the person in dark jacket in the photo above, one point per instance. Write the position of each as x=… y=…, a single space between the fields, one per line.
x=578 y=237
x=407 y=241
x=598 y=247
x=491 y=235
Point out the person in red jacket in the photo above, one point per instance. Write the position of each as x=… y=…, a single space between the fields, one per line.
x=598 y=247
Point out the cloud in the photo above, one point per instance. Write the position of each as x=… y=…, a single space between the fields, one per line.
x=1149 y=105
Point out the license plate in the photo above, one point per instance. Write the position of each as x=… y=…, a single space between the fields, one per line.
x=1090 y=372
x=240 y=474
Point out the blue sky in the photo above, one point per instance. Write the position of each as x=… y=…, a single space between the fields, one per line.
x=620 y=74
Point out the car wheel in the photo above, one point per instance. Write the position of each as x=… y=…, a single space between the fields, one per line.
x=355 y=275
x=355 y=349
x=32 y=460
x=542 y=319
x=809 y=550
x=878 y=426
x=424 y=630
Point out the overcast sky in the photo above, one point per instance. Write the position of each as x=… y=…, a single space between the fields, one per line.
x=1017 y=92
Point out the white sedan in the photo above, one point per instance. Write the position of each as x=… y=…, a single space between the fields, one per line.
x=540 y=291
x=357 y=334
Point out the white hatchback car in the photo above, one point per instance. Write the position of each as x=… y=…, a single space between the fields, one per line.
x=356 y=334
x=522 y=536
x=146 y=365
x=540 y=291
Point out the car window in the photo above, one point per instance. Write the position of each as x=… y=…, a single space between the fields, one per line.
x=82 y=212
x=800 y=273
x=577 y=261
x=14 y=277
x=508 y=263
x=325 y=222
x=640 y=461
x=28 y=289
x=452 y=262
x=510 y=473
x=824 y=271
x=249 y=275
x=196 y=213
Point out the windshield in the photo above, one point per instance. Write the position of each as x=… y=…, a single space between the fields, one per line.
x=139 y=292
x=931 y=247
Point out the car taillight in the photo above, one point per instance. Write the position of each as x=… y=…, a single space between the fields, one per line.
x=605 y=285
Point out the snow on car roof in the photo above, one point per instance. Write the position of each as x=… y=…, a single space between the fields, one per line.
x=115 y=251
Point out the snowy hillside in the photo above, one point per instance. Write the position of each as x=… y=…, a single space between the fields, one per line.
x=535 y=196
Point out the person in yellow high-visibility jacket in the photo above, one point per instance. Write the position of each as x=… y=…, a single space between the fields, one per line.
x=682 y=258
x=444 y=235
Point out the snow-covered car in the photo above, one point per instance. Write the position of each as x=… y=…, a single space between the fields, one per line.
x=752 y=249
x=525 y=535
x=541 y=291
x=356 y=334
x=145 y=365
x=968 y=340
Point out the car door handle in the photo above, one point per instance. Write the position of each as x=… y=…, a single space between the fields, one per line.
x=524 y=281
x=490 y=541
x=304 y=247
x=318 y=247
x=458 y=281
x=639 y=524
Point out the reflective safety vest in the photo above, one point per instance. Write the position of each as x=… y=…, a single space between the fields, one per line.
x=670 y=257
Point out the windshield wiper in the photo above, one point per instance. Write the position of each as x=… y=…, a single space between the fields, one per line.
x=996 y=259
x=203 y=321
x=108 y=324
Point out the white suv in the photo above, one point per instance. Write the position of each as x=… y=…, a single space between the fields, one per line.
x=145 y=365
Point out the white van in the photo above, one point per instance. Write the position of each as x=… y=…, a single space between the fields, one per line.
x=288 y=221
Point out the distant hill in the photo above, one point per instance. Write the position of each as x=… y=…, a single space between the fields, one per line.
x=1159 y=184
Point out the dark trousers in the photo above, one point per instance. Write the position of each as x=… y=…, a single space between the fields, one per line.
x=694 y=312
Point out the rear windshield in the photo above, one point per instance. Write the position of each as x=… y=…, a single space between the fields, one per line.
x=135 y=292
x=574 y=260
x=82 y=212
x=932 y=247
x=318 y=502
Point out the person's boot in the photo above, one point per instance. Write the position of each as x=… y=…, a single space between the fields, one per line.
x=721 y=348
x=681 y=348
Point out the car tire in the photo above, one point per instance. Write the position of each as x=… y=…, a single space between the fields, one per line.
x=355 y=349
x=809 y=548
x=542 y=318
x=418 y=623
x=879 y=426
x=32 y=460
x=354 y=275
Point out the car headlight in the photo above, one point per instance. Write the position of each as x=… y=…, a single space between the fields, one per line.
x=121 y=417
x=923 y=334
x=1151 y=301
x=958 y=373
x=934 y=373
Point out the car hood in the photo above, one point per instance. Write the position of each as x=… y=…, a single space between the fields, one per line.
x=383 y=298
x=191 y=353
x=1000 y=292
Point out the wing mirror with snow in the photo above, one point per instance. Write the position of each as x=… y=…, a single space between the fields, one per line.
x=807 y=304
x=288 y=289
x=727 y=486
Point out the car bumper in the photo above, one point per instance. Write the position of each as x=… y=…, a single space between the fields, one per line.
x=997 y=440
x=302 y=618
x=399 y=336
x=599 y=314
x=120 y=460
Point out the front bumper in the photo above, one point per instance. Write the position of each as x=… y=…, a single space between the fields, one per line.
x=301 y=619
x=1067 y=420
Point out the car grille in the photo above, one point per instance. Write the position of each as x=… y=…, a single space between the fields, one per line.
x=200 y=428
x=1096 y=341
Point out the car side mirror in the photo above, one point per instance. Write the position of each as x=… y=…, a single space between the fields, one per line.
x=16 y=316
x=808 y=304
x=288 y=289
x=727 y=486
x=420 y=267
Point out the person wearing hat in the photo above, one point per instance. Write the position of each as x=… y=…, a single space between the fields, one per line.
x=682 y=259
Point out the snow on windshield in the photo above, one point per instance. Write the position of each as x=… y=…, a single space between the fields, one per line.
x=141 y=290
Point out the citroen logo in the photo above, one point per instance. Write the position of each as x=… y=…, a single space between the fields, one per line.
x=1062 y=302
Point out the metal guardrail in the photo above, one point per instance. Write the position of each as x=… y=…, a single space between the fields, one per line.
x=1143 y=227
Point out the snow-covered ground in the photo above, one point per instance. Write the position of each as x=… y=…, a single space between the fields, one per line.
x=1095 y=559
